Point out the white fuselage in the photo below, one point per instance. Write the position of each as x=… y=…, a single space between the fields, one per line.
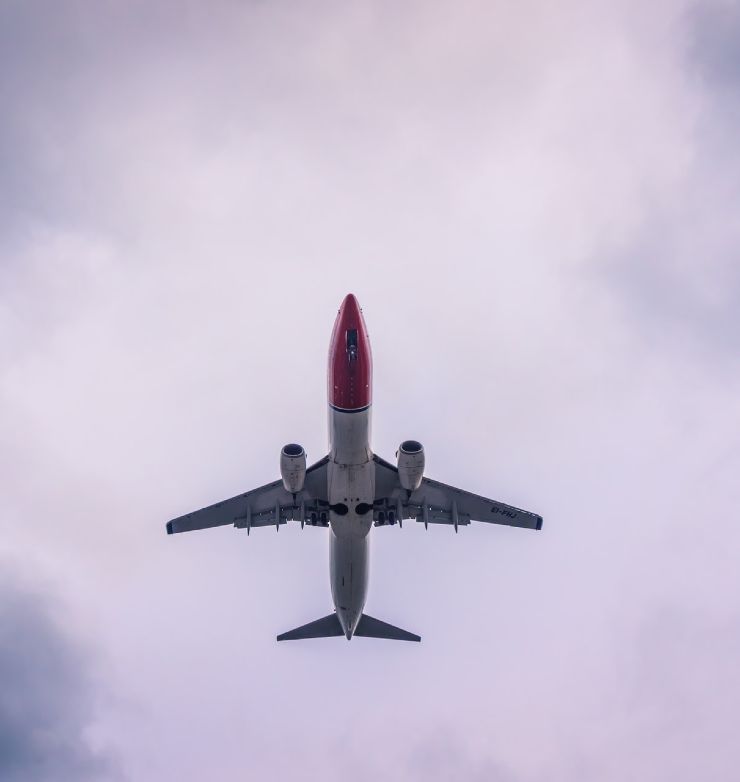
x=351 y=483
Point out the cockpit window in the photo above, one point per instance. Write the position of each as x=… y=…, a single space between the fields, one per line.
x=352 y=343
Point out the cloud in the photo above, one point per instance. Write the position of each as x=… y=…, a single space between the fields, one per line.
x=443 y=757
x=675 y=276
x=47 y=695
x=536 y=206
x=715 y=27
x=685 y=660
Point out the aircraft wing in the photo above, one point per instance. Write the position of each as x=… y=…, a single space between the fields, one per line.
x=437 y=503
x=269 y=505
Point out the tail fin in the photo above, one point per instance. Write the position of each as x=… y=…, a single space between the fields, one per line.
x=374 y=628
x=327 y=627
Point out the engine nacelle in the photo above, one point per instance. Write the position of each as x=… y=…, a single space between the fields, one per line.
x=410 y=464
x=293 y=467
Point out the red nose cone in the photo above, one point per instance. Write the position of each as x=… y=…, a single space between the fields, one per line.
x=350 y=360
x=350 y=304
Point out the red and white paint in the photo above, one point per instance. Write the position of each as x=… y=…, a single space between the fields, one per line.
x=351 y=466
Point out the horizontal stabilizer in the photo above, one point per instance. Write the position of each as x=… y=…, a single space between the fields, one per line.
x=374 y=628
x=327 y=627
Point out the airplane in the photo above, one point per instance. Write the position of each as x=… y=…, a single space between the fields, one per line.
x=351 y=490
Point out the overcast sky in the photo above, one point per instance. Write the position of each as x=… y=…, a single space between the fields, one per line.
x=538 y=207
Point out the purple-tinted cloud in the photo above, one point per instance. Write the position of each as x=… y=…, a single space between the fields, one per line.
x=47 y=697
x=537 y=208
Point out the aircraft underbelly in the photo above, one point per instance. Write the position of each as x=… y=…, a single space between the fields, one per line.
x=351 y=478
x=351 y=473
x=349 y=577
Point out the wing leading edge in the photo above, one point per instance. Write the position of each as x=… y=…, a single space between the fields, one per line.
x=437 y=503
x=269 y=505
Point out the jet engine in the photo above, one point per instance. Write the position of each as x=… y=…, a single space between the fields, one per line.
x=293 y=467
x=410 y=464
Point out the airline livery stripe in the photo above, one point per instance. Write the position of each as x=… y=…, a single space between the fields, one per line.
x=349 y=410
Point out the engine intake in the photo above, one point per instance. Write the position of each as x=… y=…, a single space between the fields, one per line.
x=410 y=464
x=293 y=467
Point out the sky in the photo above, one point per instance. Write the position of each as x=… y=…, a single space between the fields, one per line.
x=538 y=207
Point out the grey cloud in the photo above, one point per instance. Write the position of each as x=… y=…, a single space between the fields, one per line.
x=444 y=758
x=715 y=35
x=678 y=284
x=677 y=276
x=63 y=68
x=45 y=697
